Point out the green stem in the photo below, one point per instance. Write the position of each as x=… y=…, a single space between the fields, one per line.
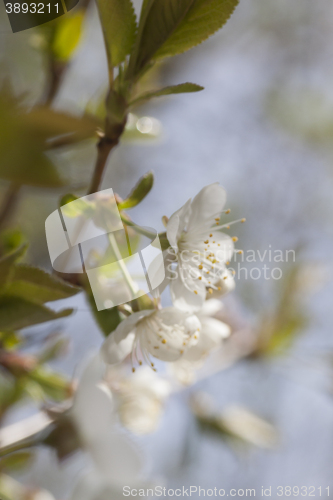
x=137 y=228
x=131 y=285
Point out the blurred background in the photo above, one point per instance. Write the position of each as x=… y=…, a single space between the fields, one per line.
x=263 y=128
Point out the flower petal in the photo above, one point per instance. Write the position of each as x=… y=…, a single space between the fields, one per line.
x=185 y=299
x=117 y=459
x=210 y=307
x=93 y=406
x=213 y=332
x=177 y=223
x=119 y=343
x=207 y=204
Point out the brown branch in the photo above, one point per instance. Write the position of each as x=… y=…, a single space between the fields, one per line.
x=104 y=147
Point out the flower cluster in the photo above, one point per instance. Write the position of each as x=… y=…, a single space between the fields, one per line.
x=182 y=335
x=196 y=268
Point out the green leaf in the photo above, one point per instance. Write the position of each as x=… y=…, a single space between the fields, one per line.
x=164 y=241
x=7 y=263
x=67 y=35
x=9 y=340
x=53 y=385
x=48 y=123
x=35 y=285
x=119 y=27
x=17 y=313
x=67 y=198
x=16 y=461
x=108 y=319
x=169 y=27
x=25 y=138
x=203 y=19
x=139 y=192
x=11 y=239
x=173 y=89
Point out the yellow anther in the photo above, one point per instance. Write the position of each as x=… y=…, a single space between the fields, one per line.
x=225 y=277
x=228 y=211
x=227 y=263
x=133 y=370
x=196 y=293
x=195 y=336
x=218 y=245
x=200 y=278
x=243 y=220
x=219 y=288
x=210 y=290
x=210 y=235
x=234 y=238
x=218 y=218
x=200 y=266
x=152 y=364
x=227 y=227
x=240 y=252
x=140 y=363
x=206 y=242
x=163 y=341
x=181 y=352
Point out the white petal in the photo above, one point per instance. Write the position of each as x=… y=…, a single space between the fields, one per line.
x=207 y=204
x=226 y=284
x=211 y=307
x=177 y=223
x=119 y=343
x=213 y=332
x=184 y=299
x=116 y=458
x=88 y=487
x=223 y=248
x=92 y=408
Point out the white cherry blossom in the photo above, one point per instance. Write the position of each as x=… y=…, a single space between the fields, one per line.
x=201 y=248
x=213 y=333
x=139 y=397
x=115 y=461
x=165 y=334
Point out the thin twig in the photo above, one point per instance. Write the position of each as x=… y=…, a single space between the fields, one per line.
x=104 y=147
